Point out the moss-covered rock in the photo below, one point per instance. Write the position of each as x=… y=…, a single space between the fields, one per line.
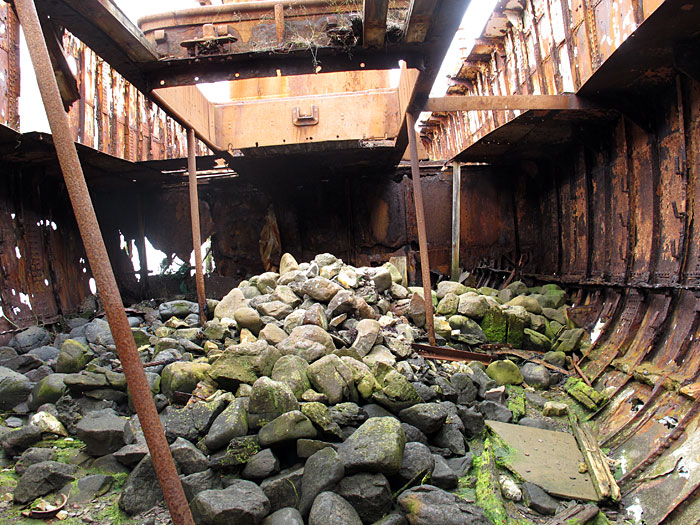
x=72 y=357
x=495 y=325
x=183 y=376
x=533 y=340
x=504 y=372
x=376 y=446
x=448 y=305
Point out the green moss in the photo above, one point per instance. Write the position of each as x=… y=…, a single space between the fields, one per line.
x=8 y=480
x=584 y=394
x=488 y=491
x=114 y=515
x=516 y=401
x=495 y=325
x=66 y=448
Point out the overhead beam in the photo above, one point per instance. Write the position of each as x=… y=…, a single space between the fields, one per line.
x=102 y=26
x=420 y=15
x=509 y=102
x=182 y=72
x=374 y=13
x=191 y=109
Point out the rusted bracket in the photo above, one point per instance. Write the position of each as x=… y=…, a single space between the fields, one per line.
x=310 y=119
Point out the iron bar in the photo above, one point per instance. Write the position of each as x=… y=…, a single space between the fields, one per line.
x=100 y=266
x=506 y=102
x=420 y=220
x=194 y=215
x=456 y=189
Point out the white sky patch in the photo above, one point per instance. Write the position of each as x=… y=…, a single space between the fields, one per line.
x=597 y=329
x=93 y=285
x=24 y=299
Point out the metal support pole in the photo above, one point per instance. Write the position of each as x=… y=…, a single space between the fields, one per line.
x=422 y=235
x=456 y=188
x=100 y=266
x=141 y=247
x=196 y=235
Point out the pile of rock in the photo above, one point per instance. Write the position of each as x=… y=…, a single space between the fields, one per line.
x=303 y=400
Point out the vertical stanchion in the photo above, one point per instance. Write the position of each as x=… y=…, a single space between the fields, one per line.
x=456 y=188
x=99 y=265
x=420 y=220
x=196 y=235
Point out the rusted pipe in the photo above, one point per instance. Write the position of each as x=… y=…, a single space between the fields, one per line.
x=420 y=220
x=456 y=189
x=279 y=22
x=196 y=235
x=100 y=266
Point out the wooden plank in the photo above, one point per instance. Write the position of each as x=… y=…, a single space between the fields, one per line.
x=603 y=480
x=365 y=115
x=374 y=13
x=420 y=14
x=507 y=102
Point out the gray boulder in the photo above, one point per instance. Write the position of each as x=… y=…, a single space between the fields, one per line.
x=262 y=465
x=428 y=505
x=231 y=423
x=178 y=308
x=427 y=417
x=142 y=490
x=535 y=375
x=292 y=425
x=188 y=458
x=270 y=399
x=284 y=489
x=104 y=432
x=14 y=388
x=32 y=337
x=199 y=482
x=98 y=332
x=244 y=363
x=42 y=478
x=310 y=342
x=241 y=503
x=417 y=463
x=320 y=289
x=322 y=472
x=291 y=370
x=72 y=357
x=331 y=509
x=377 y=446
x=332 y=377
x=285 y=516
x=369 y=494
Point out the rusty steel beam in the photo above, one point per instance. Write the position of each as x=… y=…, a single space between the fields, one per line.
x=506 y=102
x=420 y=16
x=456 y=207
x=422 y=234
x=374 y=13
x=100 y=266
x=194 y=215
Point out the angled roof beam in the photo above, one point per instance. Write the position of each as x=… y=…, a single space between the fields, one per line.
x=420 y=13
x=374 y=13
x=102 y=26
x=509 y=102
